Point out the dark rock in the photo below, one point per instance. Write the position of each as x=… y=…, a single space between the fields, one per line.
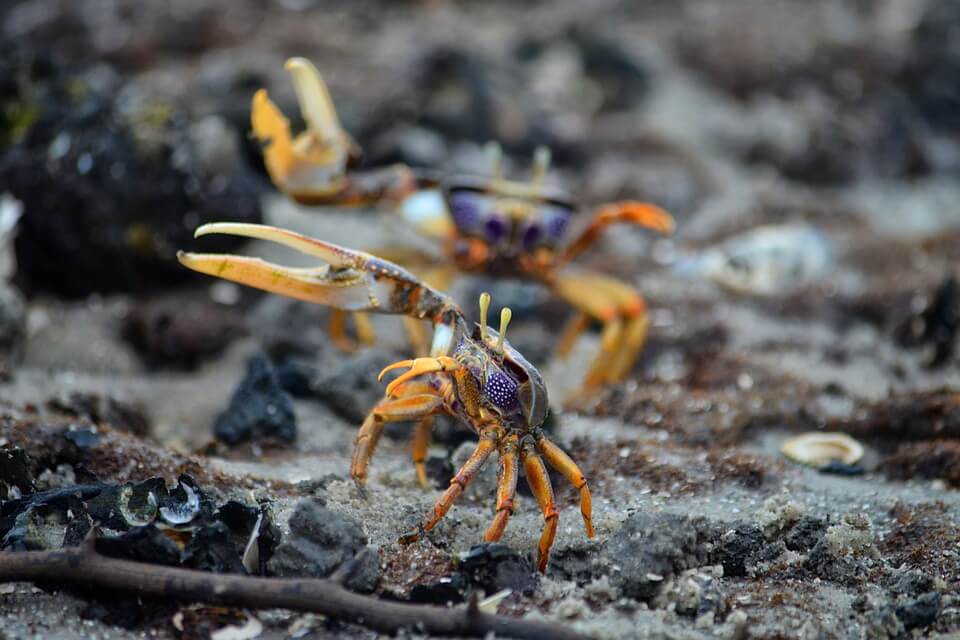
x=16 y=476
x=935 y=326
x=581 y=563
x=805 y=534
x=321 y=540
x=494 y=567
x=110 y=187
x=920 y=612
x=82 y=439
x=911 y=582
x=13 y=327
x=739 y=548
x=842 y=569
x=259 y=408
x=650 y=547
x=121 y=415
x=120 y=507
x=142 y=544
x=38 y=528
x=128 y=615
x=444 y=592
x=350 y=386
x=838 y=468
x=181 y=334
x=211 y=548
x=439 y=470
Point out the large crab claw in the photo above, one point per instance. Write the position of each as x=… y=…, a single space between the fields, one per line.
x=417 y=367
x=311 y=167
x=350 y=280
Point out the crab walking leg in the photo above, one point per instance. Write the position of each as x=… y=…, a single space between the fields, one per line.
x=487 y=445
x=560 y=461
x=539 y=483
x=575 y=326
x=623 y=314
x=506 y=488
x=387 y=410
x=338 y=330
x=421 y=442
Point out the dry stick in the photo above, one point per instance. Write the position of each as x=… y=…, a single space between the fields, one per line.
x=84 y=566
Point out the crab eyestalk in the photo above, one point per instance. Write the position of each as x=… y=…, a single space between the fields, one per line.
x=505 y=315
x=495 y=158
x=541 y=165
x=484 y=307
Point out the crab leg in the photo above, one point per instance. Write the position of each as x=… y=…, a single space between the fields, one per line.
x=486 y=446
x=421 y=442
x=506 y=488
x=539 y=483
x=561 y=462
x=623 y=314
x=410 y=407
x=638 y=213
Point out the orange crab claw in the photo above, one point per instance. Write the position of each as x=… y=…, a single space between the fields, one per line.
x=418 y=367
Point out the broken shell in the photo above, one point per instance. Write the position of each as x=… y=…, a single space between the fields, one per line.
x=817 y=449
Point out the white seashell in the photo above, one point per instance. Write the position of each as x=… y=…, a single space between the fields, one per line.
x=817 y=448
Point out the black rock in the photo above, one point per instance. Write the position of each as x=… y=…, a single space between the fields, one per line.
x=181 y=333
x=350 y=386
x=101 y=409
x=142 y=544
x=16 y=477
x=911 y=582
x=110 y=188
x=320 y=541
x=82 y=439
x=445 y=591
x=13 y=326
x=211 y=548
x=936 y=326
x=494 y=567
x=739 y=547
x=259 y=408
x=920 y=612
x=838 y=468
x=649 y=547
x=806 y=533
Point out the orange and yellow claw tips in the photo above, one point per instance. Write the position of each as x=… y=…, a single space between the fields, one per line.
x=418 y=367
x=647 y=215
x=395 y=365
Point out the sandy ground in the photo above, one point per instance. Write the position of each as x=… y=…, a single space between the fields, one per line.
x=704 y=529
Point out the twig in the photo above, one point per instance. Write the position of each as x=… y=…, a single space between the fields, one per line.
x=84 y=566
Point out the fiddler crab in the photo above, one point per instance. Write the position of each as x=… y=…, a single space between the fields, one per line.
x=488 y=225
x=472 y=372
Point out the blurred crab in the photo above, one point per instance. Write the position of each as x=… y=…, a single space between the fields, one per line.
x=472 y=372
x=488 y=225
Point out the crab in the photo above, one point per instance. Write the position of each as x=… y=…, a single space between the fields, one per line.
x=472 y=373
x=487 y=225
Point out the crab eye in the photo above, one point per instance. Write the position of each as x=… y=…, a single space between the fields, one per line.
x=531 y=235
x=557 y=220
x=501 y=390
x=496 y=229
x=533 y=402
x=467 y=209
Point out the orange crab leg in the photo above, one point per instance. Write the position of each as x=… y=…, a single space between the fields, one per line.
x=575 y=326
x=506 y=488
x=565 y=465
x=387 y=410
x=539 y=483
x=421 y=442
x=639 y=213
x=486 y=446
x=623 y=314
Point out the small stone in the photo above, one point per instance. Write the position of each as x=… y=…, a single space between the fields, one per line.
x=320 y=540
x=260 y=408
x=494 y=567
x=920 y=612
